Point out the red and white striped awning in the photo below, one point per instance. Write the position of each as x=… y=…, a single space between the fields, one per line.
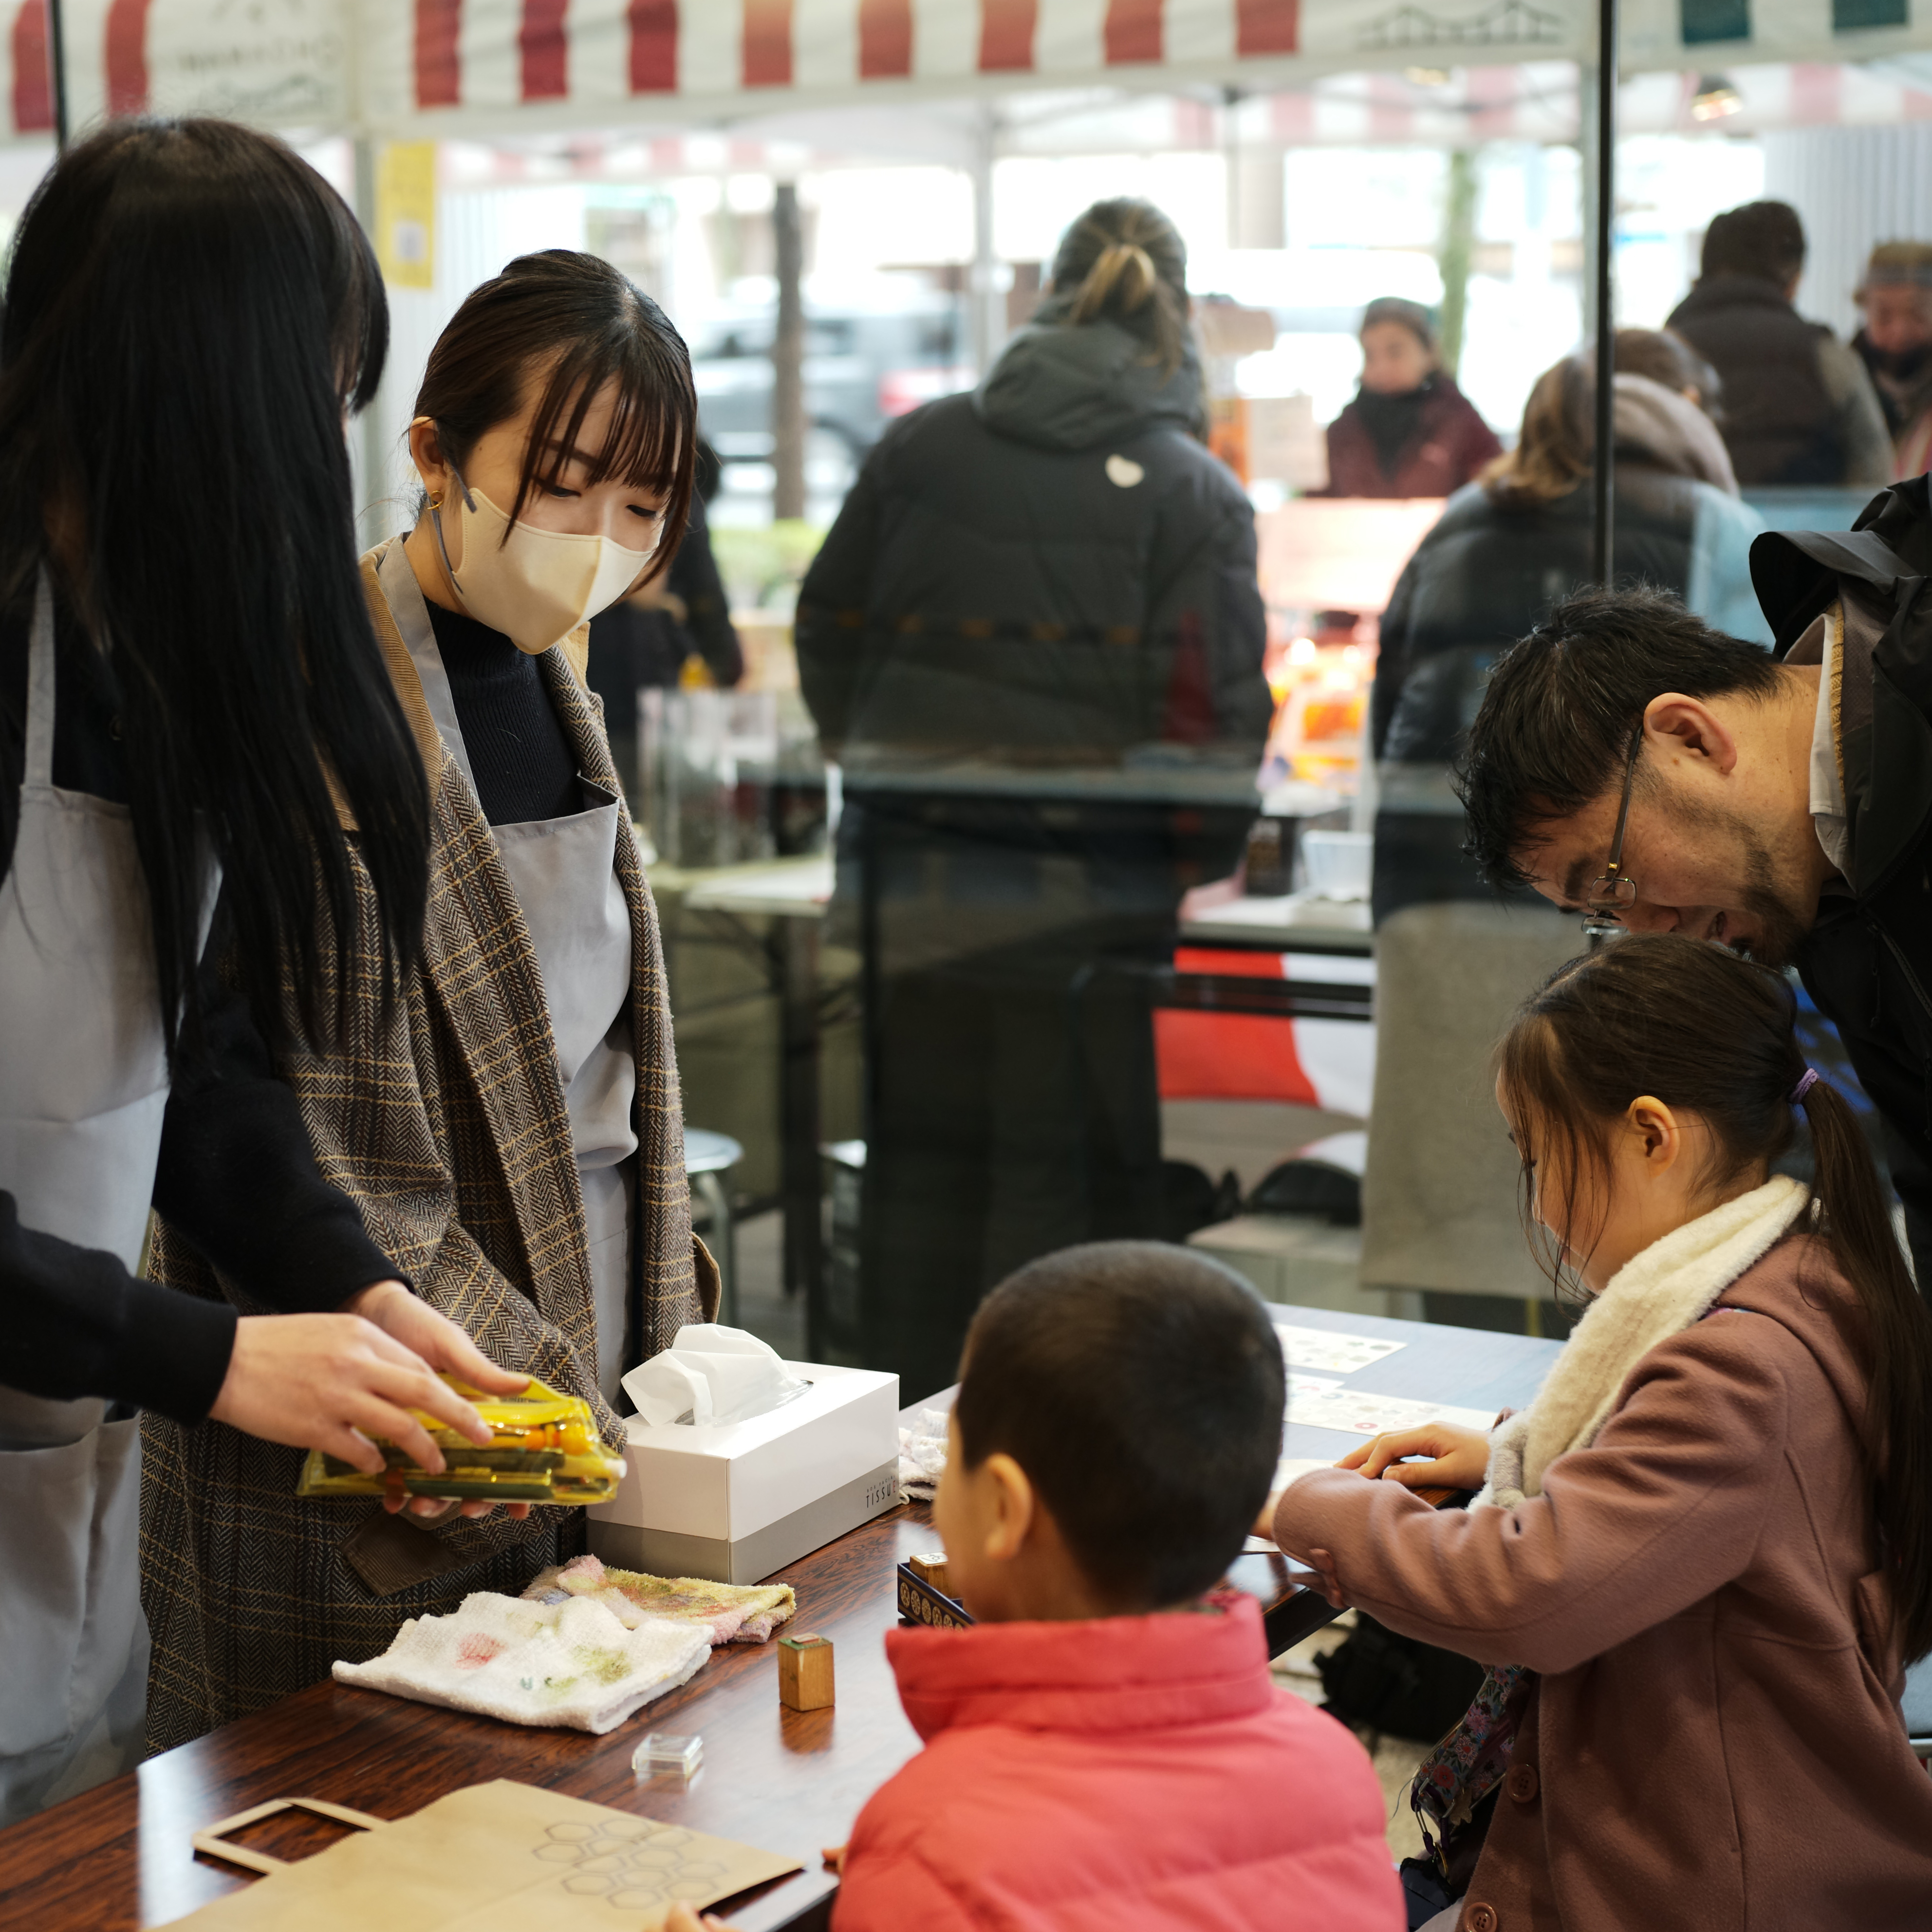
x=422 y=68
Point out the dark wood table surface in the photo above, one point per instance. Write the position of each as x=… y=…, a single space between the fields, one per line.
x=118 y=1857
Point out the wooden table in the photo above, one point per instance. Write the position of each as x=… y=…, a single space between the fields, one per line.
x=118 y=1857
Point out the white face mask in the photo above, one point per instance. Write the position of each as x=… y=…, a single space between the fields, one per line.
x=535 y=586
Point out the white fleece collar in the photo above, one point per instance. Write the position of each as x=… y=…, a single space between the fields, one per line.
x=1654 y=1296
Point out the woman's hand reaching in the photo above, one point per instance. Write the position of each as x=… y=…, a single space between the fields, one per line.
x=332 y=1381
x=1458 y=1459
x=444 y=1345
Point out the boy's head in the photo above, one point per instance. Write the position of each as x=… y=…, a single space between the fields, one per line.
x=1117 y=1430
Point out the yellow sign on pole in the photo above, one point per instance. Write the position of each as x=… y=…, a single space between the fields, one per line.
x=406 y=213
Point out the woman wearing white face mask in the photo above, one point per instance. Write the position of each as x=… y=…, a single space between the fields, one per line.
x=513 y=1136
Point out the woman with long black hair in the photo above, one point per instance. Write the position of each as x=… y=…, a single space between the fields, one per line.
x=512 y=1130
x=192 y=707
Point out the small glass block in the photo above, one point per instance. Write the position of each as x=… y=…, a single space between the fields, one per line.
x=664 y=1752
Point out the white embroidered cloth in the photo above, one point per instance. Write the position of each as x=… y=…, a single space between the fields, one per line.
x=922 y=1456
x=571 y=1664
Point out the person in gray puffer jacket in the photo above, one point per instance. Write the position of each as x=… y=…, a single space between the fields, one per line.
x=1034 y=640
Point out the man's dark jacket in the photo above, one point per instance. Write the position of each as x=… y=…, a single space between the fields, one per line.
x=1052 y=565
x=1778 y=420
x=1868 y=961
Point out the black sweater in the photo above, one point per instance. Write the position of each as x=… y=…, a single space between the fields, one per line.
x=236 y=1175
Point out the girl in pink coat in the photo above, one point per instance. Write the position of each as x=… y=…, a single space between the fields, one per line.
x=1701 y=1558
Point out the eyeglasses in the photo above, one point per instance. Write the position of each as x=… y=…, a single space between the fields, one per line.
x=1614 y=892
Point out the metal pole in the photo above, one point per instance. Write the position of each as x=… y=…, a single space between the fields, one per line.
x=57 y=70
x=988 y=299
x=1602 y=528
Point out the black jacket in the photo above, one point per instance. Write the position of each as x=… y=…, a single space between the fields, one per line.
x=1868 y=961
x=1053 y=565
x=1779 y=419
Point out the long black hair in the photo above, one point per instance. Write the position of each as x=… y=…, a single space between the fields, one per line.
x=580 y=324
x=191 y=311
x=1698 y=1028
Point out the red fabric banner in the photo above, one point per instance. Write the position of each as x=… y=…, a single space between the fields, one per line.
x=543 y=50
x=767 y=54
x=885 y=39
x=1210 y=1056
x=1132 y=31
x=653 y=25
x=33 y=88
x=126 y=45
x=438 y=63
x=1006 y=35
x=1267 y=27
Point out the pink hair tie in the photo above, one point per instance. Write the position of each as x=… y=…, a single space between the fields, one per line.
x=1805 y=1086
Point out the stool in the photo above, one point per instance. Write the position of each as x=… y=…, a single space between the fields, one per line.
x=708 y=1159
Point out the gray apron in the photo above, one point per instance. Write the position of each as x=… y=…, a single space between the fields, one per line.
x=83 y=1086
x=564 y=872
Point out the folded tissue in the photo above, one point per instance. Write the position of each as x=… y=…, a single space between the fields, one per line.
x=711 y=1374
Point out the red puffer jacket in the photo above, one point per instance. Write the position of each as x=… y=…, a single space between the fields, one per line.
x=1123 y=1775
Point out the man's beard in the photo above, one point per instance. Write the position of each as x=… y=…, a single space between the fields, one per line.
x=1780 y=929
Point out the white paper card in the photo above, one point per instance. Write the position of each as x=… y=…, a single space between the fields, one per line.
x=1339 y=1354
x=1356 y=1412
x=1299 y=1386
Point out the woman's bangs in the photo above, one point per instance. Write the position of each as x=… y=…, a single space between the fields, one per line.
x=648 y=444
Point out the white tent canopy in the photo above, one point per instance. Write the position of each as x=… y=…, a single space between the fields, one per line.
x=430 y=68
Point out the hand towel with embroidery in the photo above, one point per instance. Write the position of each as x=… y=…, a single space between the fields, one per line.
x=572 y=1664
x=728 y=1613
x=922 y=1456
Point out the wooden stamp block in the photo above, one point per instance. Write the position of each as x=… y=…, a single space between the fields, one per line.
x=805 y=1672
x=931 y=1568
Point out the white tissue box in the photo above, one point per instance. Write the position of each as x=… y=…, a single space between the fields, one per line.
x=734 y=1502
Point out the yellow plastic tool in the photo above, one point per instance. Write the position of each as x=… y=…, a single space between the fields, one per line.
x=544 y=1449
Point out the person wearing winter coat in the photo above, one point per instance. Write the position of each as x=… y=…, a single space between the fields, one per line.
x=1105 y=1747
x=1895 y=345
x=1032 y=638
x=1798 y=406
x=1701 y=1559
x=1507 y=547
x=1409 y=431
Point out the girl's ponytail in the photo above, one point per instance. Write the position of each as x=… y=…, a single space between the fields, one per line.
x=1898 y=1421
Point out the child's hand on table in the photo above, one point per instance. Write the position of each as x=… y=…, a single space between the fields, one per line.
x=1460 y=1457
x=682 y=1918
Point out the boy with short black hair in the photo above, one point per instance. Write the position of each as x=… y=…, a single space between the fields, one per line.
x=1106 y=1748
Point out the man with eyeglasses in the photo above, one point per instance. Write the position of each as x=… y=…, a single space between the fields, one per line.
x=1631 y=764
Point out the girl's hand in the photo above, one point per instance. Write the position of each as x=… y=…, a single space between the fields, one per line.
x=1459 y=1458
x=444 y=1345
